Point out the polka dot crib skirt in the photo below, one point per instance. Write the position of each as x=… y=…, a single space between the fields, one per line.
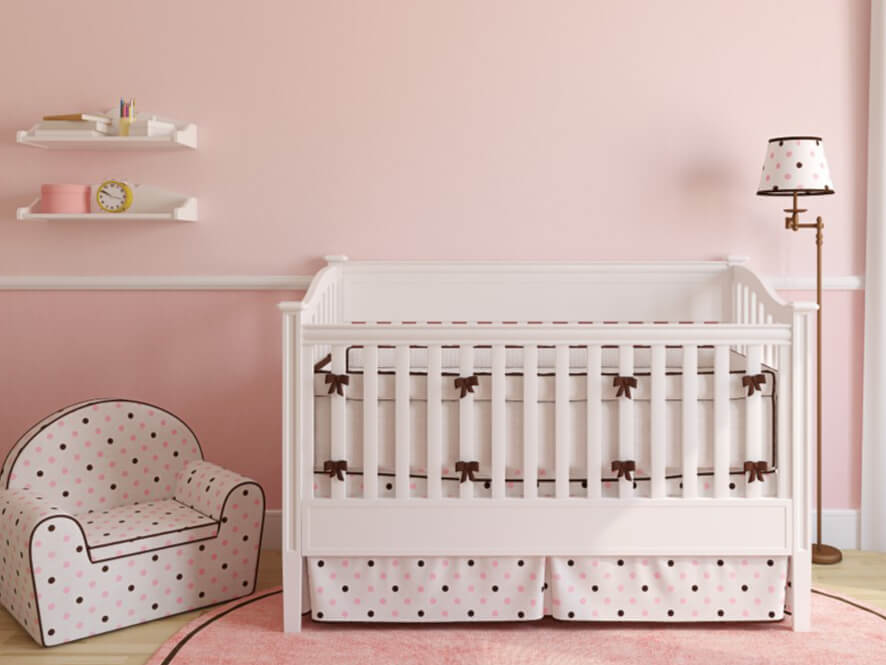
x=630 y=588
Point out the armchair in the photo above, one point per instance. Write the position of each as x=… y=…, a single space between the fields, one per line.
x=110 y=517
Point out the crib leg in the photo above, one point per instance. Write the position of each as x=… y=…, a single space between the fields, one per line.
x=293 y=588
x=801 y=594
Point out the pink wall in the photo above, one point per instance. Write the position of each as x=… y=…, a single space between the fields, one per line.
x=433 y=129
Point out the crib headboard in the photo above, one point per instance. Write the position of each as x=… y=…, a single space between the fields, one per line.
x=516 y=291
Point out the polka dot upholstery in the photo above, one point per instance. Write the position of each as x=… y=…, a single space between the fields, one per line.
x=102 y=454
x=609 y=588
x=97 y=541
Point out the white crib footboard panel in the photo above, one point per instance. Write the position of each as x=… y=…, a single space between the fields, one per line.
x=547 y=527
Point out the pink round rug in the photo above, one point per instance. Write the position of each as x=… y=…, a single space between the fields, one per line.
x=249 y=631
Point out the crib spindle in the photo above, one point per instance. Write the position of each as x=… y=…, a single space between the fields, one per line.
x=626 y=418
x=771 y=355
x=499 y=422
x=307 y=421
x=721 y=422
x=370 y=421
x=753 y=426
x=690 y=421
x=466 y=419
x=434 y=420
x=530 y=421
x=658 y=427
x=337 y=429
x=401 y=422
x=561 y=431
x=594 y=407
x=783 y=461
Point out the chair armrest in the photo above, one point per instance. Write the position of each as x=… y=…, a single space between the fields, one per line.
x=23 y=510
x=35 y=530
x=206 y=487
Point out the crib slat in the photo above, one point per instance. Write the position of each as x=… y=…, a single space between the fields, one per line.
x=466 y=419
x=370 y=421
x=561 y=431
x=721 y=422
x=401 y=422
x=770 y=351
x=434 y=420
x=690 y=421
x=753 y=420
x=626 y=419
x=338 y=445
x=594 y=407
x=658 y=427
x=308 y=439
x=530 y=421
x=499 y=422
x=783 y=450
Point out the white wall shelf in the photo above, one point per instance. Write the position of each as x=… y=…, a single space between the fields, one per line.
x=184 y=137
x=149 y=203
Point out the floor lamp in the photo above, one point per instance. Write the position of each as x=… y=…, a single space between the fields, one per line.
x=796 y=166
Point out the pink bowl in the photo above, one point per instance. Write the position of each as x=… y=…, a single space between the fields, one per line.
x=64 y=199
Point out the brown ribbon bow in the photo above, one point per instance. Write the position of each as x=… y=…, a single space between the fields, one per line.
x=336 y=381
x=624 y=468
x=753 y=382
x=624 y=384
x=756 y=469
x=467 y=470
x=466 y=384
x=335 y=468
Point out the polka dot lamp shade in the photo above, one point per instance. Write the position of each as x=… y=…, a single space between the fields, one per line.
x=795 y=165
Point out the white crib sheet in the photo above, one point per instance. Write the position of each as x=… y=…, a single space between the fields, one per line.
x=578 y=384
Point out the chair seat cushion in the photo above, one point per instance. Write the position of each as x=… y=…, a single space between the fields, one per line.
x=143 y=527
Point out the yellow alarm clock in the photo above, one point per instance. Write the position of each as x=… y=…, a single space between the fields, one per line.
x=114 y=196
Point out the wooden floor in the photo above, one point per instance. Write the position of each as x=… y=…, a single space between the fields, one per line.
x=861 y=575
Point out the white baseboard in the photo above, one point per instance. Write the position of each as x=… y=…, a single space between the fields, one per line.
x=272 y=535
x=839 y=528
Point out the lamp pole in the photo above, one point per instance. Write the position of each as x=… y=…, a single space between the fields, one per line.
x=821 y=553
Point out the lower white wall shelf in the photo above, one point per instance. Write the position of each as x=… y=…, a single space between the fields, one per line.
x=149 y=203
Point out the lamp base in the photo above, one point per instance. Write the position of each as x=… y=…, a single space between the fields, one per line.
x=826 y=555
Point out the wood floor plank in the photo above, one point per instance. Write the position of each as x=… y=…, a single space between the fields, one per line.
x=861 y=575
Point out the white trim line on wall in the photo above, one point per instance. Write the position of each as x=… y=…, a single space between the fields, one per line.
x=155 y=282
x=839 y=528
x=290 y=282
x=807 y=283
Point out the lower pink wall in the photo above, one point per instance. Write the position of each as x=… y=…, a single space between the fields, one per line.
x=213 y=358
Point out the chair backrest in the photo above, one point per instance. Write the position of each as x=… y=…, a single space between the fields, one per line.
x=101 y=454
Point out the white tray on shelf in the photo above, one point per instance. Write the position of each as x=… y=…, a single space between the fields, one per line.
x=183 y=137
x=148 y=203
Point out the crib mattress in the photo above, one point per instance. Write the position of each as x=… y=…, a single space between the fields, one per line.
x=610 y=588
x=765 y=438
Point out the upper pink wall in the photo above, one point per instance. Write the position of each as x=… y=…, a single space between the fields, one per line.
x=442 y=128
x=411 y=129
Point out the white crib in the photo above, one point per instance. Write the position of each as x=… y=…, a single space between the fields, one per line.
x=536 y=342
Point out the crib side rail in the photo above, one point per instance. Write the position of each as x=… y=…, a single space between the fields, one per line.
x=527 y=340
x=540 y=333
